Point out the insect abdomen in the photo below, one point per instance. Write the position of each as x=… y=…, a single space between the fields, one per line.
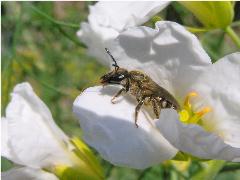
x=141 y=85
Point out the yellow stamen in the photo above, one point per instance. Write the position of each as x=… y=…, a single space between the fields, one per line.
x=198 y=115
x=187 y=103
x=187 y=115
x=204 y=111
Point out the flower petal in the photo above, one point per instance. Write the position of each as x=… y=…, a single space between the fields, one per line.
x=33 y=138
x=97 y=38
x=110 y=129
x=121 y=15
x=107 y=19
x=219 y=88
x=25 y=173
x=169 y=54
x=194 y=139
x=5 y=150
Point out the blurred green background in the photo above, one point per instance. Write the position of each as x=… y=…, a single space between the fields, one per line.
x=39 y=45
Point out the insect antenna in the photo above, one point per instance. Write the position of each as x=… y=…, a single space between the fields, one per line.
x=115 y=62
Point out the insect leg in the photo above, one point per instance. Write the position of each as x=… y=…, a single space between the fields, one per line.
x=116 y=95
x=138 y=107
x=159 y=112
x=156 y=108
x=139 y=95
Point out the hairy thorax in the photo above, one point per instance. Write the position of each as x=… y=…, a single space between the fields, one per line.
x=142 y=87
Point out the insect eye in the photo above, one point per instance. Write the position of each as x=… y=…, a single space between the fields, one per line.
x=121 y=76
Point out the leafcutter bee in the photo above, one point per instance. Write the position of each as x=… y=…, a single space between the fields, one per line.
x=142 y=87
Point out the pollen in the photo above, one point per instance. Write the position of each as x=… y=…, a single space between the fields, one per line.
x=184 y=115
x=188 y=115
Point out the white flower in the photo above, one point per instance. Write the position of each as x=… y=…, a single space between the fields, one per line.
x=107 y=19
x=218 y=137
x=26 y=173
x=31 y=138
x=169 y=54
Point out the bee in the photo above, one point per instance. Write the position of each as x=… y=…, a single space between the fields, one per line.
x=141 y=86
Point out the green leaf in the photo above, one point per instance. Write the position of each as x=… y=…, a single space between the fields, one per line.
x=210 y=171
x=213 y=15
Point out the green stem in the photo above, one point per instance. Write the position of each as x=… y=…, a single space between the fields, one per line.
x=71 y=25
x=59 y=24
x=233 y=35
x=231 y=167
x=196 y=29
x=70 y=37
x=210 y=171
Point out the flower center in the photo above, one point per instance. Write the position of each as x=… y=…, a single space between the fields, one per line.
x=188 y=115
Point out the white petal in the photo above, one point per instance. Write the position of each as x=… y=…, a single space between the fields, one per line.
x=219 y=88
x=27 y=174
x=194 y=139
x=5 y=150
x=97 y=38
x=108 y=19
x=121 y=15
x=169 y=54
x=110 y=129
x=33 y=138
